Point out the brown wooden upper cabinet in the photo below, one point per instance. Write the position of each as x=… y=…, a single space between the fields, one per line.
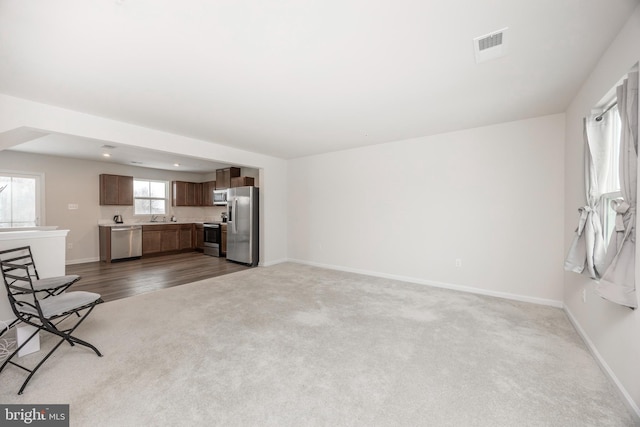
x=186 y=193
x=179 y=193
x=116 y=190
x=223 y=177
x=207 y=193
x=242 y=181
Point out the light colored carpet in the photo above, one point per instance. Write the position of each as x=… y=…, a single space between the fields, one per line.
x=294 y=345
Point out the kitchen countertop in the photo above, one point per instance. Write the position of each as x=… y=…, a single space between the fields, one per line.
x=125 y=224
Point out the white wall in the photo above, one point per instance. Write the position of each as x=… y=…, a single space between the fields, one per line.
x=612 y=331
x=491 y=197
x=17 y=114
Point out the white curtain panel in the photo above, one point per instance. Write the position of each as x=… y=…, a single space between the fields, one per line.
x=618 y=281
x=588 y=247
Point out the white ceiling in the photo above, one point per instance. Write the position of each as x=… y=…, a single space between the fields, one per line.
x=94 y=149
x=292 y=78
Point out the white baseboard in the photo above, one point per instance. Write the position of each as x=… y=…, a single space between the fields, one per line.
x=270 y=263
x=81 y=260
x=626 y=397
x=462 y=288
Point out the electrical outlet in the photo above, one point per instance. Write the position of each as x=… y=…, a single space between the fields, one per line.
x=458 y=262
x=69 y=245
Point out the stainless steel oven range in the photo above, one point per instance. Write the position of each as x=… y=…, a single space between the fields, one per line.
x=212 y=238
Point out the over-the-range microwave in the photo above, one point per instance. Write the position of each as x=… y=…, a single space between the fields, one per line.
x=220 y=197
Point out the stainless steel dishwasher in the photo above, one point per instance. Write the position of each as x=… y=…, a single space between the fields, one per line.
x=126 y=241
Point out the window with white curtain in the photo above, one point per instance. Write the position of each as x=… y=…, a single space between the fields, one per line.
x=611 y=185
x=604 y=242
x=150 y=197
x=20 y=195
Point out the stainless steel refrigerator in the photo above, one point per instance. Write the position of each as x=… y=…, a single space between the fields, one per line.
x=242 y=225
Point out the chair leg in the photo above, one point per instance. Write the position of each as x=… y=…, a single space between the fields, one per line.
x=33 y=371
x=86 y=344
x=51 y=327
x=64 y=336
x=8 y=360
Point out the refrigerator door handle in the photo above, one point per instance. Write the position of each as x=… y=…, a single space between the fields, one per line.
x=235 y=208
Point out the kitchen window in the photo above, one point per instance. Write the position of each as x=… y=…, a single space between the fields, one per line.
x=150 y=197
x=20 y=199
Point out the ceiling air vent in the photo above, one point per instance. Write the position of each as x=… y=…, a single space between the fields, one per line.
x=491 y=46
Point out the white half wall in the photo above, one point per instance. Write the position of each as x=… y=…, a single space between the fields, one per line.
x=490 y=197
x=19 y=116
x=612 y=331
x=47 y=248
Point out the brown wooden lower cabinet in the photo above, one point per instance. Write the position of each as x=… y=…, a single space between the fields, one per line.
x=199 y=237
x=223 y=244
x=151 y=240
x=104 y=236
x=159 y=239
x=166 y=238
x=170 y=239
x=185 y=236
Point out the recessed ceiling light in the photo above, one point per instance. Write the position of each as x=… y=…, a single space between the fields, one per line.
x=136 y=162
x=176 y=164
x=106 y=155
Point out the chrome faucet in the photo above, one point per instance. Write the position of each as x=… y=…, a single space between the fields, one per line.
x=154 y=218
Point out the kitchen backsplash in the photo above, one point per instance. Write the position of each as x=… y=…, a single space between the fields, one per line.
x=182 y=214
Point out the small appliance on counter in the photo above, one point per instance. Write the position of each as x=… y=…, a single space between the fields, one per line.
x=118 y=219
x=223 y=216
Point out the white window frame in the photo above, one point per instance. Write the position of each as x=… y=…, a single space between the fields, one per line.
x=608 y=215
x=166 y=196
x=39 y=199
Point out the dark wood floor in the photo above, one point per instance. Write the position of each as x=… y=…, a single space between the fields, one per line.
x=127 y=278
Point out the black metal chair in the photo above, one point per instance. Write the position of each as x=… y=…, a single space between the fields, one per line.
x=48 y=286
x=45 y=313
